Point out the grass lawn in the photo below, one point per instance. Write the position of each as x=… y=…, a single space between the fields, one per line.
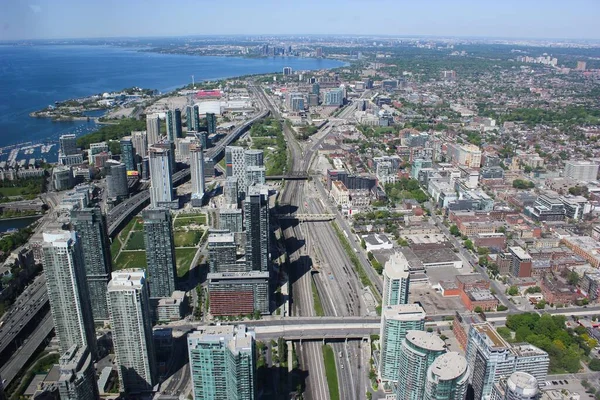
x=198 y=219
x=130 y=259
x=11 y=191
x=115 y=247
x=183 y=259
x=136 y=241
x=317 y=300
x=187 y=239
x=331 y=372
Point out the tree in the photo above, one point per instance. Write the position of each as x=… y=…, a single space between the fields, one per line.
x=541 y=305
x=478 y=310
x=573 y=278
x=533 y=289
x=594 y=365
x=454 y=230
x=483 y=261
x=501 y=307
x=513 y=291
x=468 y=244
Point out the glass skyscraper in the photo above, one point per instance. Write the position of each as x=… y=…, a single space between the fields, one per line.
x=395 y=281
x=447 y=378
x=90 y=225
x=222 y=363
x=160 y=251
x=256 y=214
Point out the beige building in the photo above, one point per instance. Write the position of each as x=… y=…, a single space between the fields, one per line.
x=340 y=193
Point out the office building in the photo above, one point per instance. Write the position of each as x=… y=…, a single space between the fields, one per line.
x=254 y=158
x=90 y=225
x=152 y=129
x=396 y=320
x=77 y=380
x=518 y=386
x=161 y=179
x=67 y=291
x=222 y=252
x=287 y=71
x=230 y=190
x=521 y=262
x=62 y=177
x=490 y=358
x=116 y=180
x=231 y=219
x=419 y=351
x=160 y=252
x=222 y=363
x=547 y=207
x=129 y=310
x=581 y=170
x=197 y=174
x=238 y=293
x=447 y=378
x=211 y=123
x=68 y=145
x=140 y=143
x=256 y=214
x=395 y=281
x=235 y=164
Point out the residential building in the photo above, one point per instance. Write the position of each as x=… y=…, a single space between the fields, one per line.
x=334 y=97
x=222 y=363
x=287 y=70
x=447 y=378
x=231 y=219
x=586 y=171
x=171 y=308
x=197 y=172
x=222 y=253
x=173 y=123
x=193 y=118
x=140 y=143
x=152 y=129
x=116 y=180
x=548 y=207
x=396 y=281
x=396 y=321
x=490 y=358
x=68 y=145
x=160 y=252
x=467 y=155
x=518 y=386
x=255 y=176
x=77 y=380
x=256 y=214
x=254 y=158
x=419 y=351
x=235 y=165
x=67 y=291
x=521 y=264
x=90 y=225
x=62 y=177
x=128 y=153
x=131 y=326
x=340 y=194
x=211 y=123
x=238 y=293
x=161 y=186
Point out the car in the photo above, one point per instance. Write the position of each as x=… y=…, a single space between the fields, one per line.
x=566 y=382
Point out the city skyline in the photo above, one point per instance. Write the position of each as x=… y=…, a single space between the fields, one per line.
x=462 y=18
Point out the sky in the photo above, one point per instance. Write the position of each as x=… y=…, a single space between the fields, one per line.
x=60 y=19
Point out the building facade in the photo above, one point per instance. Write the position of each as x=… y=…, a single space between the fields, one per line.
x=197 y=174
x=256 y=214
x=160 y=252
x=447 y=378
x=161 y=179
x=396 y=281
x=77 y=380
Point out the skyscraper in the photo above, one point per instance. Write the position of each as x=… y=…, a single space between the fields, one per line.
x=193 y=118
x=490 y=358
x=230 y=190
x=222 y=252
x=396 y=281
x=256 y=214
x=152 y=129
x=140 y=143
x=129 y=309
x=447 y=378
x=161 y=186
x=170 y=125
x=116 y=180
x=77 y=380
x=197 y=172
x=90 y=225
x=211 y=123
x=177 y=123
x=254 y=158
x=68 y=145
x=235 y=164
x=222 y=363
x=518 y=386
x=160 y=251
x=128 y=153
x=419 y=350
x=255 y=176
x=68 y=291
x=395 y=322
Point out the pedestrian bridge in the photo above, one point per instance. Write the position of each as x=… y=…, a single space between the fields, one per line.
x=292 y=176
x=333 y=331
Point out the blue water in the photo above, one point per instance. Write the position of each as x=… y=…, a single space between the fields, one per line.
x=33 y=77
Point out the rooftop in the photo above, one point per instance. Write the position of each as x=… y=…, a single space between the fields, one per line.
x=489 y=334
x=425 y=340
x=396 y=267
x=404 y=312
x=449 y=366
